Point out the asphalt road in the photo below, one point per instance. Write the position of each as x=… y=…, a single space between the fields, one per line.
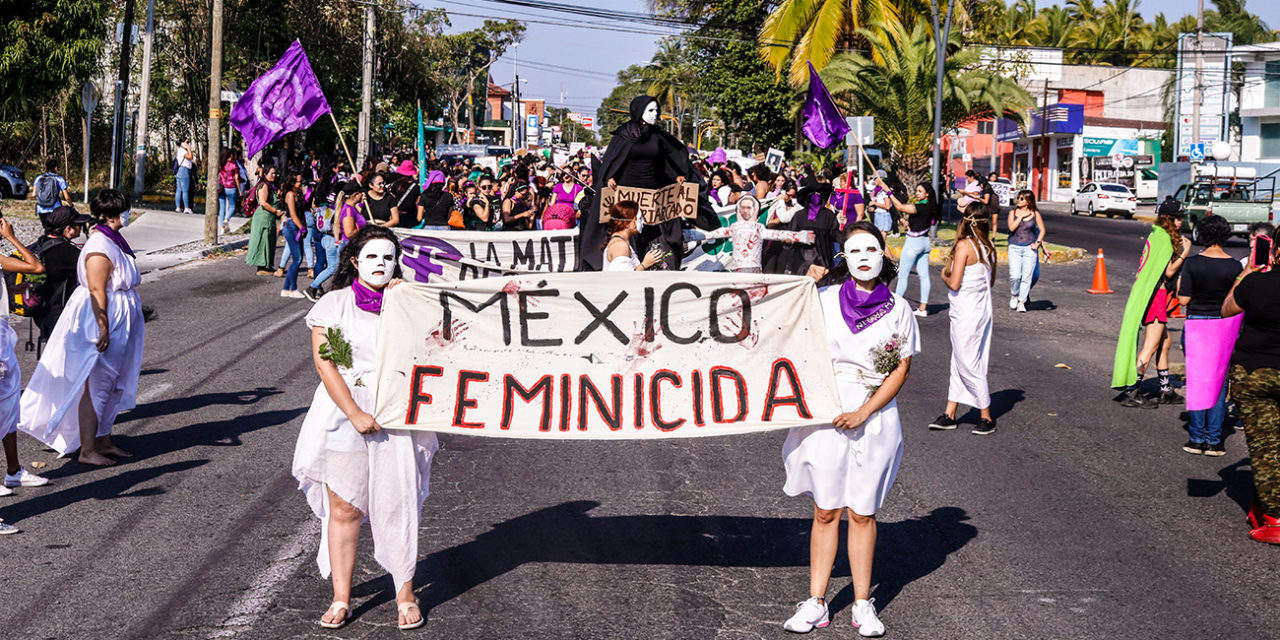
x=1076 y=519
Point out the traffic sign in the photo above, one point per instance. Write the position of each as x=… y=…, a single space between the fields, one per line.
x=1197 y=152
x=588 y=122
x=89 y=96
x=575 y=117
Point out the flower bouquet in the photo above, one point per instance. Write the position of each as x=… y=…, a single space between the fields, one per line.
x=886 y=357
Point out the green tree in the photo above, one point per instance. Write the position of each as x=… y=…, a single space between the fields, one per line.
x=462 y=61
x=801 y=31
x=895 y=84
x=613 y=111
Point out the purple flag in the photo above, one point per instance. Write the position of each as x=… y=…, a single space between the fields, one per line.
x=283 y=100
x=823 y=124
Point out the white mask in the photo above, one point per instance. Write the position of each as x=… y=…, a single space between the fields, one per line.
x=862 y=250
x=376 y=261
x=650 y=113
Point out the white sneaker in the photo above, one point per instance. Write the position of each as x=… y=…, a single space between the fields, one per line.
x=188 y=211
x=8 y=528
x=865 y=620
x=920 y=313
x=1013 y=303
x=809 y=614
x=291 y=294
x=1022 y=307
x=5 y=491
x=24 y=478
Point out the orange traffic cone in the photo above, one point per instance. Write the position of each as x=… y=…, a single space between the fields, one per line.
x=1100 y=276
x=1175 y=308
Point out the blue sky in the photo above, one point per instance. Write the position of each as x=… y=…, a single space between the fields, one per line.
x=590 y=58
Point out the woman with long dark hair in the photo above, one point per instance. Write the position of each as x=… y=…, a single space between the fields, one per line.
x=347 y=465
x=1148 y=306
x=262 y=230
x=970 y=273
x=921 y=213
x=229 y=182
x=293 y=228
x=850 y=464
x=1026 y=237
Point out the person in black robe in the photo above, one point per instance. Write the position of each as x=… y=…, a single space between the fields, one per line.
x=641 y=154
x=795 y=258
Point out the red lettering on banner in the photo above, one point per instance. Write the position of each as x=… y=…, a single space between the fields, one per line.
x=511 y=386
x=717 y=399
x=587 y=389
x=462 y=402
x=773 y=400
x=697 y=399
x=655 y=399
x=416 y=396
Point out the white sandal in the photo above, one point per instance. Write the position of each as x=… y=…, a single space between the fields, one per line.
x=337 y=605
x=403 y=608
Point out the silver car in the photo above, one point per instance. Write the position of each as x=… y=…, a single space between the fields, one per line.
x=12 y=183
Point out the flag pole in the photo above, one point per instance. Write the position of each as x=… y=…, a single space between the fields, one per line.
x=354 y=168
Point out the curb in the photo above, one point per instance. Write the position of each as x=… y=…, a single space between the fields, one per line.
x=938 y=256
x=204 y=253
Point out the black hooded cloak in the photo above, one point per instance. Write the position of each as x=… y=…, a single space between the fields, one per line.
x=645 y=156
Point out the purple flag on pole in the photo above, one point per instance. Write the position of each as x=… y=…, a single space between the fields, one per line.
x=283 y=100
x=823 y=124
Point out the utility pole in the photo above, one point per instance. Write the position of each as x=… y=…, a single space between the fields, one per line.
x=940 y=37
x=122 y=91
x=1199 y=86
x=215 y=117
x=366 y=90
x=140 y=153
x=515 y=100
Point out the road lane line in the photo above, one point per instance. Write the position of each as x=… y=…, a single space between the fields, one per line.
x=277 y=326
x=246 y=610
x=153 y=393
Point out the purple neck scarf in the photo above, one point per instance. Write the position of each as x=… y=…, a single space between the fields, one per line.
x=116 y=238
x=862 y=309
x=815 y=205
x=369 y=300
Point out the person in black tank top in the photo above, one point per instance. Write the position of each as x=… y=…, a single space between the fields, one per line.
x=380 y=204
x=921 y=213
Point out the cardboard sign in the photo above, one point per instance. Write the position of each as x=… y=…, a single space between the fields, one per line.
x=656 y=205
x=605 y=356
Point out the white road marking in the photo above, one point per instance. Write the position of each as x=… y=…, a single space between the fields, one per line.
x=244 y=613
x=154 y=393
x=277 y=326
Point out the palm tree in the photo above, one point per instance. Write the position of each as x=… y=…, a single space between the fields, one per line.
x=896 y=84
x=668 y=77
x=798 y=32
x=1051 y=27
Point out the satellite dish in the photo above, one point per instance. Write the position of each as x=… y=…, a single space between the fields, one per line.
x=1221 y=151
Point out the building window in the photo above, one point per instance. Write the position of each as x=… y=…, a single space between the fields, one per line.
x=1270 y=134
x=986 y=127
x=1271 y=97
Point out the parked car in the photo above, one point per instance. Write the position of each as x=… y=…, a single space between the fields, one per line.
x=1105 y=197
x=12 y=183
x=1241 y=201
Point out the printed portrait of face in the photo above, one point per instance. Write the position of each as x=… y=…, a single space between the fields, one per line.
x=376 y=262
x=864 y=256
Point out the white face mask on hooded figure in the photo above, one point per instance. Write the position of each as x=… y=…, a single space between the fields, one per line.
x=376 y=262
x=650 y=113
x=864 y=255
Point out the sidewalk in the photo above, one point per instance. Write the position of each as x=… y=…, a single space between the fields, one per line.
x=164 y=239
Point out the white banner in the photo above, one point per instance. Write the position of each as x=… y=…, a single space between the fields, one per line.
x=446 y=256
x=605 y=356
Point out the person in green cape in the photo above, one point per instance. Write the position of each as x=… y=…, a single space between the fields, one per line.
x=1148 y=306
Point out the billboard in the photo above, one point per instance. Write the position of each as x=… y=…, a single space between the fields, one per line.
x=1215 y=103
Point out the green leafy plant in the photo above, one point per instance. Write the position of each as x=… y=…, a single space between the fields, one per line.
x=336 y=349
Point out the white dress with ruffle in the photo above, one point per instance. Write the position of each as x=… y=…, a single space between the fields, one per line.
x=386 y=475
x=852 y=468
x=970 y=315
x=51 y=401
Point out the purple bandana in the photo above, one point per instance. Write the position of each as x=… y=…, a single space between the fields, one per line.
x=862 y=309
x=815 y=205
x=369 y=300
x=116 y=238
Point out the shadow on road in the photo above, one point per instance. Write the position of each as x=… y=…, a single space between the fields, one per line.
x=906 y=551
x=1235 y=479
x=109 y=488
x=198 y=401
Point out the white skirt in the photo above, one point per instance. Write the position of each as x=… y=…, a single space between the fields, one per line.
x=839 y=468
x=385 y=475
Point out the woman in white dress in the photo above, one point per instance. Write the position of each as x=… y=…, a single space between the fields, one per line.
x=851 y=463
x=618 y=253
x=10 y=375
x=89 y=371
x=349 y=467
x=969 y=274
